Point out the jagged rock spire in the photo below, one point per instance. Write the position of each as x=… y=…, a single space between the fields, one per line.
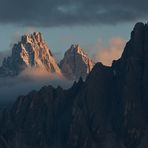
x=31 y=51
x=76 y=63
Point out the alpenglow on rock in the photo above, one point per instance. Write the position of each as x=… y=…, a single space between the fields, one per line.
x=76 y=63
x=30 y=52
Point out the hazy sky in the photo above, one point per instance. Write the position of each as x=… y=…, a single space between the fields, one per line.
x=64 y=22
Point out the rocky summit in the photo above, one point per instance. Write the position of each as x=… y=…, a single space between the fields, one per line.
x=30 y=52
x=108 y=110
x=76 y=63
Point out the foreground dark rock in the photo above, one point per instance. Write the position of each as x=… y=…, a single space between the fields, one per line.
x=108 y=110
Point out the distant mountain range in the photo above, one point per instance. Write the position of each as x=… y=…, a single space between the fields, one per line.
x=32 y=52
x=108 y=110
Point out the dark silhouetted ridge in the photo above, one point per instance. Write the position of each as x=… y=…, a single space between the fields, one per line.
x=107 y=110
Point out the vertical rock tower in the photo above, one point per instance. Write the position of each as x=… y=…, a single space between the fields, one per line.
x=30 y=52
x=76 y=63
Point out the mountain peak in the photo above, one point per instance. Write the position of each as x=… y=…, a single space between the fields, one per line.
x=31 y=51
x=139 y=24
x=34 y=37
x=75 y=48
x=76 y=63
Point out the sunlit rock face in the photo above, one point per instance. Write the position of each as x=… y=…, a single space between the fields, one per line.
x=108 y=110
x=76 y=63
x=33 y=52
x=30 y=52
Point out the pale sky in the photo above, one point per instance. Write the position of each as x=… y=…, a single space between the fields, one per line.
x=59 y=39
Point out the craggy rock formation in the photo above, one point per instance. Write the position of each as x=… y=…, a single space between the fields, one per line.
x=108 y=110
x=30 y=52
x=76 y=63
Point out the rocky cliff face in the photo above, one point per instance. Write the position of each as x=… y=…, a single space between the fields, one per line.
x=30 y=52
x=108 y=110
x=33 y=52
x=76 y=63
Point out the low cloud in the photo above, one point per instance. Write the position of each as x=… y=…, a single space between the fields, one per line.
x=109 y=53
x=28 y=80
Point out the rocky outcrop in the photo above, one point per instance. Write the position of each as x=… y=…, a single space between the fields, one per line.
x=30 y=52
x=129 y=75
x=76 y=63
x=108 y=110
